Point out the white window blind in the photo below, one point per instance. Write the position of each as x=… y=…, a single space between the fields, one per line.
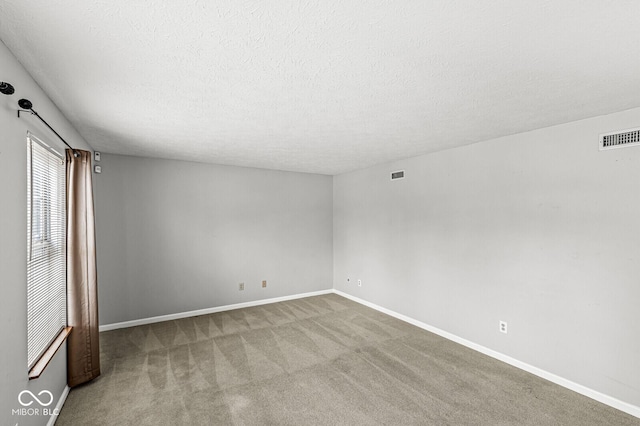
x=46 y=247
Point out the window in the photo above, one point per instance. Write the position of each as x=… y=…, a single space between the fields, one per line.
x=46 y=247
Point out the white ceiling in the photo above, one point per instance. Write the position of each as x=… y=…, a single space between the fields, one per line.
x=325 y=86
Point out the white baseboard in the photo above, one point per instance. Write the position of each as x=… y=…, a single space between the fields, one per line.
x=206 y=311
x=63 y=398
x=583 y=390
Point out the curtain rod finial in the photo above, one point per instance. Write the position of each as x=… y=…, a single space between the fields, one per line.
x=25 y=104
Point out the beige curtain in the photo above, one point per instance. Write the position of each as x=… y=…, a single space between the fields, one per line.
x=83 y=350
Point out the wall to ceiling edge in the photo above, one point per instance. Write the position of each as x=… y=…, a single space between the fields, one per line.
x=540 y=229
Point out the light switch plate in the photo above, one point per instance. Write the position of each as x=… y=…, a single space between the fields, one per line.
x=97 y=169
x=96 y=155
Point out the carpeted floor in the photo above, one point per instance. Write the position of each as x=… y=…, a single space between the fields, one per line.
x=322 y=360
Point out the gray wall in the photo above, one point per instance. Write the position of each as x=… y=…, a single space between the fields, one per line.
x=176 y=236
x=13 y=238
x=538 y=229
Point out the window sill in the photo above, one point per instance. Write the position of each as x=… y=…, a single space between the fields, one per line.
x=48 y=355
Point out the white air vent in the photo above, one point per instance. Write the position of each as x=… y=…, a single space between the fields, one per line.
x=397 y=175
x=620 y=139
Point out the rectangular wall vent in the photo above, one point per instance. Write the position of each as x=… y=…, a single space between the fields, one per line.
x=620 y=139
x=397 y=175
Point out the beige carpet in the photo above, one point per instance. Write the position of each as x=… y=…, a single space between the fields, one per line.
x=322 y=360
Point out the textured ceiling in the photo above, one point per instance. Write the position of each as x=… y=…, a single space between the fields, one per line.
x=322 y=86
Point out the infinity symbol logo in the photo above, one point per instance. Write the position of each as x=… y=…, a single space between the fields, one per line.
x=26 y=404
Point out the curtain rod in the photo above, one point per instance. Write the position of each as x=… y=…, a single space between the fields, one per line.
x=27 y=106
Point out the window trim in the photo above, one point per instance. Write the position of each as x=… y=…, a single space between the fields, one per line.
x=49 y=353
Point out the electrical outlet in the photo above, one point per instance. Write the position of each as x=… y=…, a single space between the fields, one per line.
x=359 y=283
x=241 y=286
x=503 y=327
x=264 y=283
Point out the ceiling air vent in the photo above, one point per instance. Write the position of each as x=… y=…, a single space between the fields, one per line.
x=620 y=139
x=397 y=175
